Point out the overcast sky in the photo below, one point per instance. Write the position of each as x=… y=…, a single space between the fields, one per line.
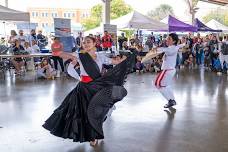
x=143 y=6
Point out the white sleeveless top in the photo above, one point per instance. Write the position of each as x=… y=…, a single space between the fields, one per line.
x=100 y=60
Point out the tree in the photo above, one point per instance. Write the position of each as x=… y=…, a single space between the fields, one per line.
x=118 y=9
x=161 y=12
x=219 y=15
x=192 y=8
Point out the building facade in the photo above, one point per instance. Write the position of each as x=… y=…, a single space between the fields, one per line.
x=45 y=16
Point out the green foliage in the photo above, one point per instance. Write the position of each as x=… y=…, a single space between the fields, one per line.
x=220 y=15
x=194 y=3
x=118 y=9
x=161 y=12
x=96 y=11
x=128 y=33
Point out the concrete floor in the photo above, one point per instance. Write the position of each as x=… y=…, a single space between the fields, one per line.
x=139 y=124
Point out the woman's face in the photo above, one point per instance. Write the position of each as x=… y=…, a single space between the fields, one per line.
x=26 y=44
x=17 y=42
x=45 y=62
x=88 y=44
x=169 y=41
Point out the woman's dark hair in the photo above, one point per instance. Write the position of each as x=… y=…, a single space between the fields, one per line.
x=174 y=36
x=56 y=38
x=91 y=38
x=220 y=38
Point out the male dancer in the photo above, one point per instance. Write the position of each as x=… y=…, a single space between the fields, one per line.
x=164 y=78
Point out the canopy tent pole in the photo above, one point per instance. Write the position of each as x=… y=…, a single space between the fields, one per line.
x=107 y=11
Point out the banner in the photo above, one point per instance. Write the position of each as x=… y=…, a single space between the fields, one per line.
x=62 y=27
x=112 y=30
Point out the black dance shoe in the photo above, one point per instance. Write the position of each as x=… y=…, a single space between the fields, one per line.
x=170 y=104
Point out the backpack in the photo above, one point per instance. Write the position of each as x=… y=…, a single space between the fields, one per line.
x=224 y=49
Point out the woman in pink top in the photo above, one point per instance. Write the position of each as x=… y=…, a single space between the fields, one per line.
x=57 y=48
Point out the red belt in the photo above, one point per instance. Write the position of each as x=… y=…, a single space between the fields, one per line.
x=86 y=79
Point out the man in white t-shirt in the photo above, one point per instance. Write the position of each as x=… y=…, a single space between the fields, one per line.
x=165 y=77
x=21 y=37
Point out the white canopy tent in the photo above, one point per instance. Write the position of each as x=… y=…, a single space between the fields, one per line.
x=7 y=14
x=165 y=20
x=217 y=26
x=133 y=20
x=136 y=20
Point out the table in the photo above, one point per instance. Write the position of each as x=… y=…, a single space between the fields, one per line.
x=33 y=55
x=24 y=55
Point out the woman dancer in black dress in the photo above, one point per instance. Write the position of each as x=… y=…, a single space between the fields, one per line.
x=81 y=115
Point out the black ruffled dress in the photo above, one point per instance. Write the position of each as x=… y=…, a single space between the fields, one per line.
x=81 y=115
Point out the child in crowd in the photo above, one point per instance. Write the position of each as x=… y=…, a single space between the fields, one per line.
x=45 y=70
x=139 y=66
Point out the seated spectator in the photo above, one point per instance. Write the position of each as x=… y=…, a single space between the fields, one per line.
x=2 y=41
x=41 y=39
x=139 y=49
x=45 y=70
x=125 y=46
x=27 y=47
x=189 y=61
x=157 y=65
x=35 y=48
x=17 y=62
x=148 y=65
x=139 y=66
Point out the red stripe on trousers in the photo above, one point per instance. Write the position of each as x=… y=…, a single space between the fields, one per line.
x=158 y=78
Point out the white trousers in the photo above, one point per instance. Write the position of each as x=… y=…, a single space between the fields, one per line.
x=223 y=58
x=163 y=83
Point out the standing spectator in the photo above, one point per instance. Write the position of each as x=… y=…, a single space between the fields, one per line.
x=190 y=41
x=41 y=40
x=98 y=43
x=107 y=41
x=121 y=40
x=149 y=42
x=79 y=40
x=213 y=47
x=223 y=51
x=32 y=36
x=137 y=40
x=21 y=37
x=12 y=38
x=57 y=48
x=198 y=50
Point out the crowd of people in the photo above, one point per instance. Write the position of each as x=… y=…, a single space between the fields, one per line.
x=208 y=51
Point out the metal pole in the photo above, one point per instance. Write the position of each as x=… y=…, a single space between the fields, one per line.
x=4 y=23
x=6 y=3
x=107 y=11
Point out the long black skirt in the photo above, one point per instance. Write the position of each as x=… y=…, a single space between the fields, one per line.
x=70 y=119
